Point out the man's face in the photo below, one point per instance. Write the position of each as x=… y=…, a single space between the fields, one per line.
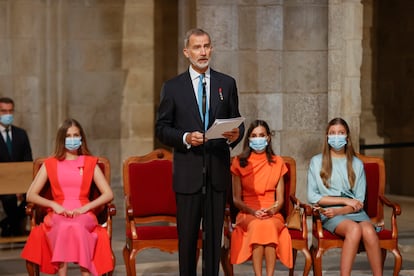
x=198 y=52
x=6 y=108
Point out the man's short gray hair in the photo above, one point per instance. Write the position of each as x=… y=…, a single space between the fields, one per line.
x=195 y=31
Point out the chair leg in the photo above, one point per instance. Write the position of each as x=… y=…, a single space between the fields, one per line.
x=317 y=261
x=383 y=255
x=126 y=253
x=308 y=261
x=294 y=255
x=397 y=262
x=131 y=262
x=225 y=262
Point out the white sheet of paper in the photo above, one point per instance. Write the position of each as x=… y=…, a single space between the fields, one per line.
x=222 y=125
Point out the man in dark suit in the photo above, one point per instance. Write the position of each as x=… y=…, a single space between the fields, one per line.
x=180 y=125
x=14 y=147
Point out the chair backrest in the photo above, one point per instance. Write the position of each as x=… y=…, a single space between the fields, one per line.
x=375 y=176
x=148 y=184
x=100 y=212
x=290 y=185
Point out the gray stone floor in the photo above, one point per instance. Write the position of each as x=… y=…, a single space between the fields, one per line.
x=154 y=262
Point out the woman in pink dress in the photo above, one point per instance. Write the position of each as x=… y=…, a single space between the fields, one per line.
x=70 y=231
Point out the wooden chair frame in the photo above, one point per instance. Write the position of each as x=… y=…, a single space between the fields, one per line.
x=299 y=238
x=164 y=240
x=104 y=214
x=323 y=240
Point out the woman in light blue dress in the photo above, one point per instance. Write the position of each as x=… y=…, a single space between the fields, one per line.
x=336 y=183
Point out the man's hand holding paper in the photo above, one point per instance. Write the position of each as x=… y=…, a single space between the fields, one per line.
x=225 y=128
x=232 y=135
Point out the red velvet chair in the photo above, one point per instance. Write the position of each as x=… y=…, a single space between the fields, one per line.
x=104 y=213
x=374 y=203
x=299 y=237
x=150 y=206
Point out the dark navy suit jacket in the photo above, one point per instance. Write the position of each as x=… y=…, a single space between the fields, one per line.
x=21 y=147
x=178 y=113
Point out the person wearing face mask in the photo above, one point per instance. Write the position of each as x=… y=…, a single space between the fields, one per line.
x=336 y=182
x=70 y=170
x=14 y=147
x=258 y=191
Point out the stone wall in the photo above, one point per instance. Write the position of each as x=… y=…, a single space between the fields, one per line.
x=64 y=59
x=277 y=51
x=297 y=63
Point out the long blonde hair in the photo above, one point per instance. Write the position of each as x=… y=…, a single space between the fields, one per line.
x=326 y=169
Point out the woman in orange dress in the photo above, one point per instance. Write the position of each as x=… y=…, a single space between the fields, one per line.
x=70 y=231
x=258 y=190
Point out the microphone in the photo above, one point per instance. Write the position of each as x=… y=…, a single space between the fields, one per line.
x=204 y=97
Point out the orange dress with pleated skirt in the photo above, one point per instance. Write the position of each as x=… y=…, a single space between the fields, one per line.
x=79 y=239
x=259 y=180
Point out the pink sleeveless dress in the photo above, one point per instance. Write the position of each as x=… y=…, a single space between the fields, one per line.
x=70 y=239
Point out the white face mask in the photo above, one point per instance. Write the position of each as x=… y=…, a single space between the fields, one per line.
x=258 y=143
x=6 y=119
x=337 y=142
x=73 y=143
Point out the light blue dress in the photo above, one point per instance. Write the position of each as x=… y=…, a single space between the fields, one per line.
x=339 y=186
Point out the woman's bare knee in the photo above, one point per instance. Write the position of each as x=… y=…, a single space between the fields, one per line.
x=349 y=230
x=369 y=234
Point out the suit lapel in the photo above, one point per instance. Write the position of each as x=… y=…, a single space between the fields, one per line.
x=4 y=153
x=215 y=101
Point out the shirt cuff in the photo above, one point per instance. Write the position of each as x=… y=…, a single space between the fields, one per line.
x=185 y=141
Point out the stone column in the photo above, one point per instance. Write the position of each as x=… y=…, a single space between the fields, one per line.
x=370 y=121
x=344 y=63
x=137 y=112
x=29 y=56
x=305 y=81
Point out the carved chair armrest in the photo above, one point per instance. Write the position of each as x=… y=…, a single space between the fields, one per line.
x=30 y=209
x=317 y=223
x=130 y=220
x=129 y=209
x=228 y=224
x=396 y=211
x=111 y=209
x=307 y=211
x=31 y=213
x=228 y=227
x=110 y=212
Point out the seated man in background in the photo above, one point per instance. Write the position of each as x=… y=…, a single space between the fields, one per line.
x=14 y=147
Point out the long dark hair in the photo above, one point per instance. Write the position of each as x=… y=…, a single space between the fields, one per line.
x=246 y=148
x=60 y=149
x=326 y=169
